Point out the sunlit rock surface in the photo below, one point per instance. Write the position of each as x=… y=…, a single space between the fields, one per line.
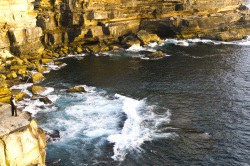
x=22 y=142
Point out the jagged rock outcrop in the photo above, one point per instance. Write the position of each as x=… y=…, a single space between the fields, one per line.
x=24 y=24
x=22 y=142
x=81 y=21
x=18 y=30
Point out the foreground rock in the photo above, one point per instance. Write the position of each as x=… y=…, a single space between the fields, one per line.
x=22 y=142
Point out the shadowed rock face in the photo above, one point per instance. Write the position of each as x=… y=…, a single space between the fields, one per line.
x=18 y=30
x=22 y=142
x=67 y=21
x=26 y=24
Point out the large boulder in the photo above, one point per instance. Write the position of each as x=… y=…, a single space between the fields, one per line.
x=46 y=61
x=18 y=68
x=37 y=77
x=45 y=100
x=12 y=75
x=155 y=55
x=146 y=37
x=22 y=141
x=129 y=41
x=77 y=89
x=37 y=90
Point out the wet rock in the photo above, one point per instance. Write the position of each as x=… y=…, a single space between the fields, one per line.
x=46 y=61
x=146 y=37
x=76 y=89
x=45 y=100
x=52 y=135
x=37 y=77
x=155 y=55
x=36 y=90
x=129 y=41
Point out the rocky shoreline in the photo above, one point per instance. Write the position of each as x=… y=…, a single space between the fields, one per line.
x=34 y=33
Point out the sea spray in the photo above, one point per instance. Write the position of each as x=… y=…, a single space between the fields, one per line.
x=139 y=127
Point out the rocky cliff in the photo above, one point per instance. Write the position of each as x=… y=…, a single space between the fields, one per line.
x=26 y=23
x=84 y=21
x=22 y=142
x=18 y=30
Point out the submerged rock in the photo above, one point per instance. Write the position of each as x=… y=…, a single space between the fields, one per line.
x=52 y=135
x=155 y=55
x=45 y=100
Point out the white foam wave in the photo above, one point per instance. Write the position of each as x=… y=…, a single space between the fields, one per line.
x=177 y=42
x=243 y=42
x=52 y=66
x=246 y=3
x=137 y=48
x=95 y=117
x=141 y=125
x=34 y=106
x=154 y=44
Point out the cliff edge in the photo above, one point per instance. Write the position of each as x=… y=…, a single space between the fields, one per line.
x=22 y=142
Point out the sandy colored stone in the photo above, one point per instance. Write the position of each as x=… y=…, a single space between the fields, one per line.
x=46 y=61
x=24 y=142
x=37 y=90
x=76 y=89
x=37 y=77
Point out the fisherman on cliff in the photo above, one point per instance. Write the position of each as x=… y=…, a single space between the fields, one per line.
x=13 y=104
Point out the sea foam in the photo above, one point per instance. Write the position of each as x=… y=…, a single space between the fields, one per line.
x=98 y=118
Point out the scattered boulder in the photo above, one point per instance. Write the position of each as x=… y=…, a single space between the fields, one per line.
x=42 y=69
x=12 y=75
x=79 y=49
x=41 y=98
x=146 y=37
x=5 y=54
x=37 y=77
x=4 y=91
x=3 y=83
x=46 y=61
x=18 y=67
x=129 y=41
x=77 y=89
x=52 y=135
x=155 y=55
x=45 y=100
x=37 y=90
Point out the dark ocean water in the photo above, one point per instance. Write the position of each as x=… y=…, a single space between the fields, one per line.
x=189 y=108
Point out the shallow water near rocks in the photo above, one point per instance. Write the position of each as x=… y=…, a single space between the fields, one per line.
x=188 y=108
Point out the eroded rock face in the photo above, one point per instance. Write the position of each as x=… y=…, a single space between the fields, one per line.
x=78 y=21
x=18 y=30
x=22 y=142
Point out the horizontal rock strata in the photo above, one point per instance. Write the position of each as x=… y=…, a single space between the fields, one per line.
x=22 y=142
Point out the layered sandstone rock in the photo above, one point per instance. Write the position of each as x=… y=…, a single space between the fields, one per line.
x=78 y=21
x=18 y=30
x=22 y=142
